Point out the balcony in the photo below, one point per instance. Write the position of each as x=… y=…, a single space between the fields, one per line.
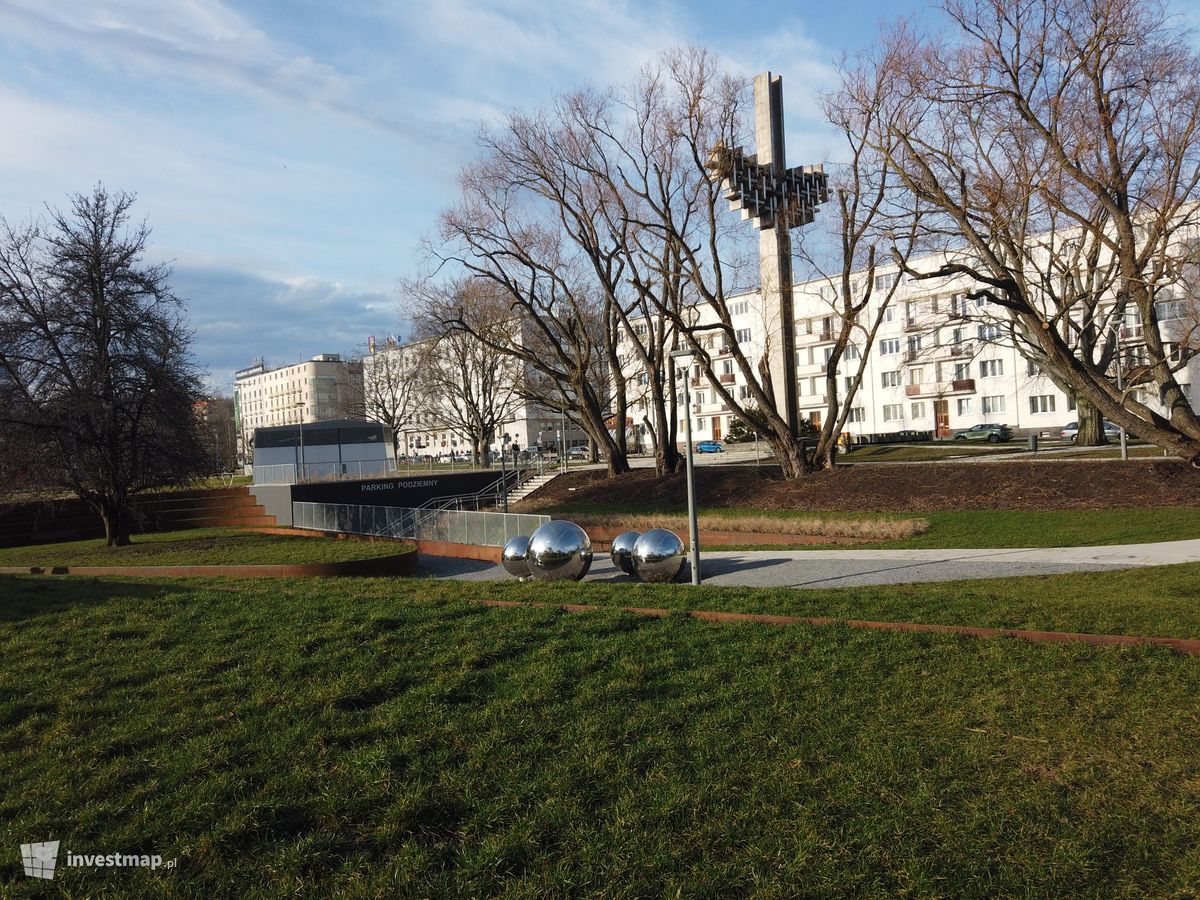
x=911 y=355
x=911 y=324
x=728 y=378
x=962 y=350
x=940 y=388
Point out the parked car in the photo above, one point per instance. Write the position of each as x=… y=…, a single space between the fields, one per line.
x=579 y=453
x=1111 y=431
x=709 y=447
x=993 y=434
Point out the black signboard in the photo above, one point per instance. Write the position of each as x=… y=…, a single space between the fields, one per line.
x=410 y=491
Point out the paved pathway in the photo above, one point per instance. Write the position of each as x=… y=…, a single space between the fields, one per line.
x=851 y=568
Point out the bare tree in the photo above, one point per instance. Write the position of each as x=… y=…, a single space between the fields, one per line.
x=394 y=389
x=1059 y=144
x=94 y=356
x=470 y=377
x=872 y=219
x=517 y=233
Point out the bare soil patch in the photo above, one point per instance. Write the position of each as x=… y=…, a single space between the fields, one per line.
x=1024 y=484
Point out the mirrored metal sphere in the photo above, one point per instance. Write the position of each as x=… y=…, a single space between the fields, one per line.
x=515 y=557
x=558 y=550
x=622 y=550
x=658 y=555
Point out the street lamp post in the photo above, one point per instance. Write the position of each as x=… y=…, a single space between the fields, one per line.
x=300 y=428
x=684 y=358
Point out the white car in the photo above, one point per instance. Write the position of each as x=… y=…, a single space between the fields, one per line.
x=1071 y=432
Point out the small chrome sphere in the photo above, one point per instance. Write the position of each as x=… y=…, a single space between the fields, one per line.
x=622 y=550
x=515 y=556
x=658 y=555
x=559 y=550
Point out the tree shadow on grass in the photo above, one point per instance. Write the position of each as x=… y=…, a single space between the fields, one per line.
x=29 y=596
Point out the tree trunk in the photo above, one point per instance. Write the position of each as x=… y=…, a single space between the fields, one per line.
x=789 y=454
x=116 y=523
x=1091 y=425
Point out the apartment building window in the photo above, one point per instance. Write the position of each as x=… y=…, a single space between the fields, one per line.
x=890 y=379
x=958 y=335
x=828 y=292
x=993 y=404
x=918 y=410
x=1032 y=369
x=916 y=375
x=990 y=332
x=1041 y=403
x=914 y=344
x=893 y=412
x=1169 y=310
x=727 y=367
x=962 y=371
x=889 y=347
x=743 y=392
x=990 y=368
x=742 y=335
x=883 y=282
x=889 y=314
x=964 y=406
x=700 y=423
x=857 y=414
x=700 y=399
x=852 y=352
x=740 y=308
x=848 y=383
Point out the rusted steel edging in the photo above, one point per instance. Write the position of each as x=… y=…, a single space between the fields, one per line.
x=1188 y=646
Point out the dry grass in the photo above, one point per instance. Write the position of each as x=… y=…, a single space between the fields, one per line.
x=874 y=529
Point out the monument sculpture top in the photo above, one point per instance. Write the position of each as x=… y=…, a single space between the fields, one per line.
x=776 y=199
x=759 y=184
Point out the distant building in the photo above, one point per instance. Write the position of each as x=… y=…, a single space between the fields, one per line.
x=339 y=448
x=323 y=388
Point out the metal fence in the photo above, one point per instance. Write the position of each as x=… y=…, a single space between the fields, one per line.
x=483 y=529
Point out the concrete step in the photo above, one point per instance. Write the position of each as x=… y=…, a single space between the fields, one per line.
x=530 y=486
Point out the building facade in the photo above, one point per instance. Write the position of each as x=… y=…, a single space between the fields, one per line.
x=940 y=363
x=323 y=388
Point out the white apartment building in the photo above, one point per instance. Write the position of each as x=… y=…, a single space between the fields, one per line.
x=316 y=390
x=430 y=432
x=940 y=363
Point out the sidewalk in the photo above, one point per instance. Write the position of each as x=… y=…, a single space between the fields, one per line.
x=855 y=568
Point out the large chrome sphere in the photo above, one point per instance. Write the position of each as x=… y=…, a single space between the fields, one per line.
x=558 y=550
x=658 y=555
x=622 y=550
x=515 y=556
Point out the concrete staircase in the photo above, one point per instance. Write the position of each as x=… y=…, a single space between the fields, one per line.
x=527 y=487
x=69 y=519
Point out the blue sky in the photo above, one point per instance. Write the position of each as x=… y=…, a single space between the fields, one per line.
x=290 y=156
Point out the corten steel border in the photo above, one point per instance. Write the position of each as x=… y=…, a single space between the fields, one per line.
x=1187 y=646
x=401 y=564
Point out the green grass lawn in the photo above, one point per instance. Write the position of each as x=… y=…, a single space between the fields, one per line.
x=931 y=452
x=200 y=547
x=1154 y=601
x=364 y=738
